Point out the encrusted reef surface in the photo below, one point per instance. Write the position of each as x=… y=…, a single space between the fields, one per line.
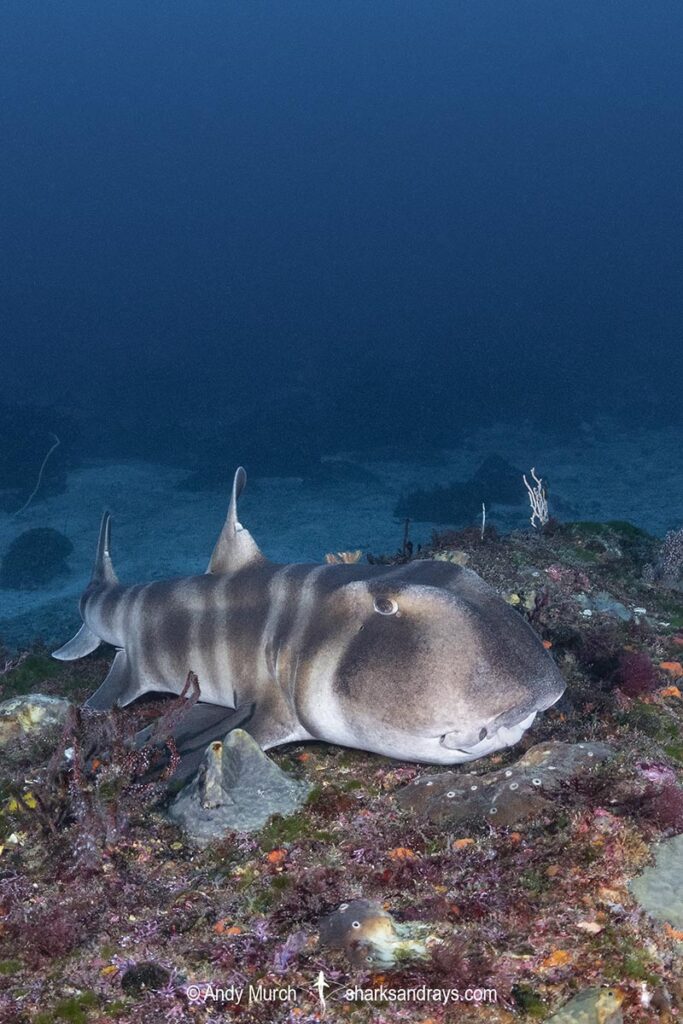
x=506 y=796
x=392 y=893
x=660 y=887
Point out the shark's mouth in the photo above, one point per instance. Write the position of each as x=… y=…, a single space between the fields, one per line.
x=504 y=731
x=503 y=736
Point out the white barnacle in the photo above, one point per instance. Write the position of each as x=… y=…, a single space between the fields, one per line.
x=450 y=794
x=536 y=782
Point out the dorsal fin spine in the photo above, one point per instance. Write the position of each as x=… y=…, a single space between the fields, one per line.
x=103 y=570
x=238 y=486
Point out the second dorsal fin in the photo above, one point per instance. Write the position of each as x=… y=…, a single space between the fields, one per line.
x=235 y=548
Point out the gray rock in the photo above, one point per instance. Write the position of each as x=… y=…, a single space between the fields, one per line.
x=659 y=889
x=31 y=714
x=507 y=795
x=143 y=977
x=236 y=788
x=593 y=1006
x=605 y=603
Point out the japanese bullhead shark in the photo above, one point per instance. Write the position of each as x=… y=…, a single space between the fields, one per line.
x=421 y=661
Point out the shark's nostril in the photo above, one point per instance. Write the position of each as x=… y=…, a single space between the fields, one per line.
x=483 y=733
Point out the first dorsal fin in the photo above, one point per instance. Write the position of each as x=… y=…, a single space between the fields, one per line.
x=235 y=547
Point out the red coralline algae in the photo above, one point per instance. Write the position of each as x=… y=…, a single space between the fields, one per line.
x=636 y=674
x=665 y=808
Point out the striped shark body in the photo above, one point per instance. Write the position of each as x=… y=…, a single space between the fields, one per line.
x=421 y=661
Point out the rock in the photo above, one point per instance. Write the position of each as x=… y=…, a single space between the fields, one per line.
x=456 y=556
x=144 y=977
x=593 y=1006
x=34 y=558
x=30 y=714
x=658 y=889
x=668 y=569
x=505 y=796
x=499 y=481
x=605 y=603
x=369 y=935
x=236 y=788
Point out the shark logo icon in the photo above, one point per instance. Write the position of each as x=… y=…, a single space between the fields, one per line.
x=321 y=985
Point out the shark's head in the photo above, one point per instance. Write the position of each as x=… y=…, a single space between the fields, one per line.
x=423 y=662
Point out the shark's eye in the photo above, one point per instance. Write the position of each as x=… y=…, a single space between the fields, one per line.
x=385 y=606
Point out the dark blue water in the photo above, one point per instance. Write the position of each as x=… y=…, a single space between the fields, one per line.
x=290 y=228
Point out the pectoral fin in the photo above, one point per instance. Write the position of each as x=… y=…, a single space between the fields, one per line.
x=200 y=725
x=117 y=688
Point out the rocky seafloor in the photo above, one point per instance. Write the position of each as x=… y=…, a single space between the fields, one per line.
x=541 y=883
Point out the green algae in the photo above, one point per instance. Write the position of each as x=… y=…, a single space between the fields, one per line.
x=268 y=898
x=670 y=608
x=9 y=967
x=29 y=676
x=627 y=531
x=74 y=1010
x=655 y=723
x=529 y=1001
x=280 y=831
